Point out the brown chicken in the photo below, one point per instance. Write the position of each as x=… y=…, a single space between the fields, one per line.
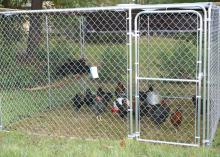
x=176 y=118
x=120 y=90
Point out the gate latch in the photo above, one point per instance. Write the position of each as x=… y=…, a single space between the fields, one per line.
x=134 y=135
x=206 y=142
x=200 y=76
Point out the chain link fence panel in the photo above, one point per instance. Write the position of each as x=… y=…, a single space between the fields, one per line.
x=213 y=100
x=46 y=82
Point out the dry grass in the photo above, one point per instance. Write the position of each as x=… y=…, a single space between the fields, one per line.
x=64 y=121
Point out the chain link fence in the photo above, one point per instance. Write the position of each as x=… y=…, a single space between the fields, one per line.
x=46 y=83
x=213 y=110
x=111 y=73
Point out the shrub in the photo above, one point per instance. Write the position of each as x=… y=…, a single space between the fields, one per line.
x=114 y=64
x=110 y=37
x=11 y=28
x=180 y=63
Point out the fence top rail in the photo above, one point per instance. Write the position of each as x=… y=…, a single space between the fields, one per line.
x=120 y=7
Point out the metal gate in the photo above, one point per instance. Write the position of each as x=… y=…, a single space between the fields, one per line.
x=168 y=76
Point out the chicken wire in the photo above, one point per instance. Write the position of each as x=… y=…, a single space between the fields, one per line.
x=47 y=86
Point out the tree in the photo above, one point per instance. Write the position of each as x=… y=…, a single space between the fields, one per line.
x=13 y=3
x=87 y=3
x=35 y=29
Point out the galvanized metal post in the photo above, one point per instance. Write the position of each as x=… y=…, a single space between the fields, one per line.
x=130 y=70
x=208 y=77
x=218 y=102
x=199 y=62
x=1 y=114
x=137 y=107
x=82 y=36
x=48 y=62
x=204 y=76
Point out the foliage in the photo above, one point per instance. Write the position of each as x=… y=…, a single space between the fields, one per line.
x=11 y=28
x=114 y=64
x=13 y=3
x=114 y=38
x=166 y=1
x=84 y=3
x=182 y=60
x=90 y=3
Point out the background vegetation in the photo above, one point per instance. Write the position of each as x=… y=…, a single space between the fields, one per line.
x=86 y=3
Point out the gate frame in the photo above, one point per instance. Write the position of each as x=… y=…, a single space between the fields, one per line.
x=198 y=80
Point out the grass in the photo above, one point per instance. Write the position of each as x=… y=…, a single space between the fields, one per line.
x=16 y=144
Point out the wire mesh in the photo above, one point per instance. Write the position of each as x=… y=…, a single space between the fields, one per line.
x=214 y=73
x=46 y=82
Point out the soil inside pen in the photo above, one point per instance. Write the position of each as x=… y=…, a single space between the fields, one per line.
x=64 y=121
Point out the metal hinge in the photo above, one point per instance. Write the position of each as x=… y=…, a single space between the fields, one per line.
x=134 y=135
x=208 y=19
x=137 y=134
x=200 y=76
x=131 y=136
x=206 y=142
x=133 y=34
x=130 y=110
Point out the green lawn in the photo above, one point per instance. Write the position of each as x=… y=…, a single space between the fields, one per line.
x=15 y=144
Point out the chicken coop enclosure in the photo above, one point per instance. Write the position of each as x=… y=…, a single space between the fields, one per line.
x=148 y=72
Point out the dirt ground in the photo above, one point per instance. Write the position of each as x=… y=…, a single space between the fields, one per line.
x=64 y=121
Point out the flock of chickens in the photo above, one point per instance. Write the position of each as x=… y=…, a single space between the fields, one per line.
x=97 y=102
x=151 y=104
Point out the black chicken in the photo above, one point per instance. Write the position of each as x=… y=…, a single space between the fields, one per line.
x=101 y=101
x=107 y=97
x=146 y=109
x=73 y=67
x=148 y=100
x=195 y=102
x=153 y=107
x=160 y=113
x=78 y=102
x=89 y=98
x=143 y=95
x=120 y=90
x=123 y=108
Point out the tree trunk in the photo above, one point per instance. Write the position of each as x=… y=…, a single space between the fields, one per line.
x=6 y=3
x=34 y=37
